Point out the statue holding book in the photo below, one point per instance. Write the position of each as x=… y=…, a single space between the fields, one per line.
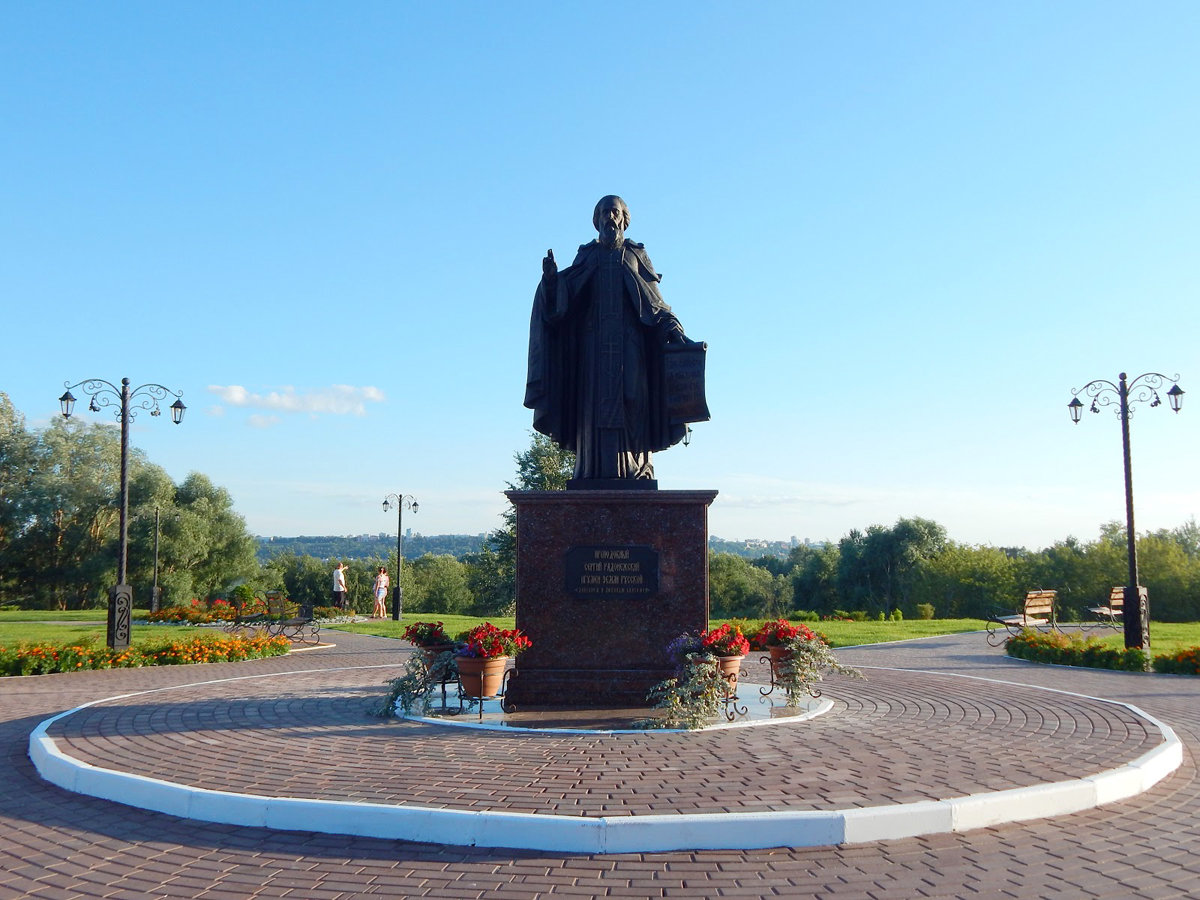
x=612 y=376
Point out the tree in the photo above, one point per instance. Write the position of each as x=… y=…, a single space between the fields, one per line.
x=969 y=582
x=814 y=584
x=210 y=548
x=490 y=592
x=63 y=554
x=441 y=585
x=304 y=579
x=543 y=466
x=878 y=569
x=737 y=587
x=17 y=454
x=1082 y=573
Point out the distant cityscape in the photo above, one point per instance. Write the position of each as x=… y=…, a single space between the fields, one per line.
x=378 y=546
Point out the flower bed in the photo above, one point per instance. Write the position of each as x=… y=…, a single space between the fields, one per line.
x=1074 y=650
x=220 y=611
x=45 y=659
x=1182 y=662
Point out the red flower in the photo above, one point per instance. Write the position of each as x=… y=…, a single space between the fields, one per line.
x=778 y=632
x=727 y=640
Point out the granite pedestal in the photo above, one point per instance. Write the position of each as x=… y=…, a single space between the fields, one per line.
x=605 y=580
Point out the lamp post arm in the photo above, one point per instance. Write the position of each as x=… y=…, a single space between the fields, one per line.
x=1145 y=387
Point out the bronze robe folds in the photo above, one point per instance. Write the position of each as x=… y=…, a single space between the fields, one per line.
x=595 y=381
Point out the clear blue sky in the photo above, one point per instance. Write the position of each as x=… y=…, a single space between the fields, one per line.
x=905 y=230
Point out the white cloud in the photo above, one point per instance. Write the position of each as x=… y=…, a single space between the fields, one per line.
x=335 y=400
x=258 y=421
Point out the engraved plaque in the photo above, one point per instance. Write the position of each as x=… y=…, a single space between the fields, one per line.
x=612 y=572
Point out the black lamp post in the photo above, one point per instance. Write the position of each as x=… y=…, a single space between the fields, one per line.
x=1105 y=393
x=147 y=396
x=154 y=591
x=399 y=502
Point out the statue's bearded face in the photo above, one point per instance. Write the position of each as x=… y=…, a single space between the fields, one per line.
x=611 y=222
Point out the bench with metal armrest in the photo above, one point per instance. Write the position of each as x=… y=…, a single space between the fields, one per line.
x=1037 y=612
x=1113 y=614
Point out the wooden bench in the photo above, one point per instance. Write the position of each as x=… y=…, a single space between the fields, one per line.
x=290 y=620
x=253 y=621
x=1113 y=614
x=1038 y=612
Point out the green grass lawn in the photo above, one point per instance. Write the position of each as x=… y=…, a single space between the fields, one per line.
x=13 y=633
x=57 y=615
x=35 y=626
x=850 y=634
x=453 y=625
x=1166 y=638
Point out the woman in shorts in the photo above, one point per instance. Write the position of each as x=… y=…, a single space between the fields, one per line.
x=380 y=589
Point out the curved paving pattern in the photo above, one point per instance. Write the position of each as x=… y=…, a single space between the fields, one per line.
x=54 y=844
x=896 y=738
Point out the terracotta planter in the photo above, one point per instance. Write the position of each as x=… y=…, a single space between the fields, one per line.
x=779 y=655
x=481 y=676
x=432 y=651
x=729 y=666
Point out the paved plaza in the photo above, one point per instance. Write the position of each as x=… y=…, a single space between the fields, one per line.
x=916 y=730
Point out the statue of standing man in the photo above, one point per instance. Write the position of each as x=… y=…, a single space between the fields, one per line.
x=598 y=339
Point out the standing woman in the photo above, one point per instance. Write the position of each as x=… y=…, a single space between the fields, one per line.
x=381 y=590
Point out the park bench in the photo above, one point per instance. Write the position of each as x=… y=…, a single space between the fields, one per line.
x=290 y=620
x=239 y=621
x=1111 y=615
x=1037 y=612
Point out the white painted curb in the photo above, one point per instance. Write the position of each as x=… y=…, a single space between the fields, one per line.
x=609 y=834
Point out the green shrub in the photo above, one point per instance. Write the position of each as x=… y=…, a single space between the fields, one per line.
x=1184 y=662
x=1073 y=650
x=897 y=615
x=805 y=615
x=924 y=610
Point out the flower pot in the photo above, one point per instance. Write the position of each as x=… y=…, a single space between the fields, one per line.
x=779 y=655
x=728 y=667
x=481 y=676
x=432 y=651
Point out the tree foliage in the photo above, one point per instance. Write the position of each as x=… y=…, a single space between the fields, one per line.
x=60 y=520
x=543 y=466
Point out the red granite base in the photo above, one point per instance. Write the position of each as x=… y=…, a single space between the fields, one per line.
x=593 y=650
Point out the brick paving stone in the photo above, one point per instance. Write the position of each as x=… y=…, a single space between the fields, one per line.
x=1147 y=846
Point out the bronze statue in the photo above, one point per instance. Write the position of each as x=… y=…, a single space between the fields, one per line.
x=598 y=339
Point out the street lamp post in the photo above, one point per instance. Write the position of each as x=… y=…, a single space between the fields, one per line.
x=154 y=589
x=399 y=502
x=1102 y=393
x=104 y=393
x=155 y=601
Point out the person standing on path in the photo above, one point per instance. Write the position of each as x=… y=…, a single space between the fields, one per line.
x=380 y=589
x=339 y=586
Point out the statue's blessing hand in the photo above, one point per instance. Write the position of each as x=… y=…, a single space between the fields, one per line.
x=549 y=266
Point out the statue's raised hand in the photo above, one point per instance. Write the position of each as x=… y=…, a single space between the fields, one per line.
x=549 y=266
